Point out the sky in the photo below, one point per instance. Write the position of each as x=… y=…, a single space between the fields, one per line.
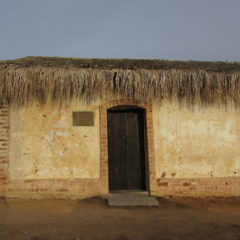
x=205 y=30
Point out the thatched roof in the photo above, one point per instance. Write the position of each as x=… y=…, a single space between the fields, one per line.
x=69 y=63
x=60 y=80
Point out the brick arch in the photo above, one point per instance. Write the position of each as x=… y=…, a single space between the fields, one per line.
x=104 y=140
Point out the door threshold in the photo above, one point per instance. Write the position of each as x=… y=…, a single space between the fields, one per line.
x=136 y=191
x=131 y=198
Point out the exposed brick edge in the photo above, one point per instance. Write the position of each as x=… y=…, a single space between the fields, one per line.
x=52 y=188
x=104 y=142
x=4 y=141
x=199 y=187
x=4 y=145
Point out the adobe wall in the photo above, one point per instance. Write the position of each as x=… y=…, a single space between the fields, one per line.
x=192 y=152
x=197 y=151
x=45 y=144
x=48 y=156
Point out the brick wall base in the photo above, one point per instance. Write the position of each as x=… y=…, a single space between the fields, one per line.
x=199 y=187
x=84 y=188
x=53 y=188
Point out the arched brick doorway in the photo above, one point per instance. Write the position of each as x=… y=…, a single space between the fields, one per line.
x=149 y=148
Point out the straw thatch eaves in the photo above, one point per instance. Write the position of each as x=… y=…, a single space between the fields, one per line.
x=60 y=80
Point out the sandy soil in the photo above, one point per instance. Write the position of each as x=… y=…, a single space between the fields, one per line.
x=92 y=219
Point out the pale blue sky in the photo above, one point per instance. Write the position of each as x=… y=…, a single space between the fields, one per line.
x=162 y=29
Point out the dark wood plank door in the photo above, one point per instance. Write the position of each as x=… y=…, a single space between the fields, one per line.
x=126 y=150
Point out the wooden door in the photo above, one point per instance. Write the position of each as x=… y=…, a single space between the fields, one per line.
x=126 y=152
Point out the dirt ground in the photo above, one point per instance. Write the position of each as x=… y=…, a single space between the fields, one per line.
x=92 y=219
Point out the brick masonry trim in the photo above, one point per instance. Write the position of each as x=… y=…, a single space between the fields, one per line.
x=4 y=139
x=152 y=186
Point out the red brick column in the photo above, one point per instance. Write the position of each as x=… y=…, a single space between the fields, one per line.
x=4 y=140
x=104 y=141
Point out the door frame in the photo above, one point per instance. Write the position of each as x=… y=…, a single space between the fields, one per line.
x=150 y=165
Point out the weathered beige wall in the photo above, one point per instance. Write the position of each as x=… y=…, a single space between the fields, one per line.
x=44 y=144
x=188 y=143
x=196 y=143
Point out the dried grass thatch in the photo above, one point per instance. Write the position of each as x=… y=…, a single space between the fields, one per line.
x=49 y=79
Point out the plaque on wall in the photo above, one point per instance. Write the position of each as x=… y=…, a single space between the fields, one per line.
x=83 y=118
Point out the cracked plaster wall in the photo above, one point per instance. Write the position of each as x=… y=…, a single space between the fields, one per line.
x=44 y=144
x=196 y=143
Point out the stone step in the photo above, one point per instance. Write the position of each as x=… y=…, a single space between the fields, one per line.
x=125 y=199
